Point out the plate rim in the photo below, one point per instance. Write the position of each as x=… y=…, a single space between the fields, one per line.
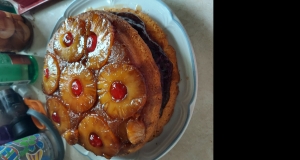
x=195 y=77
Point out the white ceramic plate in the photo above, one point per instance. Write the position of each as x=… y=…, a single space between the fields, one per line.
x=179 y=39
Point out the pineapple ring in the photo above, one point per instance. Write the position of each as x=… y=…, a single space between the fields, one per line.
x=78 y=47
x=135 y=131
x=51 y=74
x=132 y=131
x=105 y=38
x=84 y=101
x=56 y=106
x=96 y=124
x=136 y=90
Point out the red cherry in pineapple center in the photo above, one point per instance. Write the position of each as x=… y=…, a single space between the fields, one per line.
x=91 y=42
x=55 y=117
x=95 y=140
x=76 y=87
x=68 y=39
x=118 y=90
x=46 y=72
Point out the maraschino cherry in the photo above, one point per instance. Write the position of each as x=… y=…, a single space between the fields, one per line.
x=68 y=39
x=95 y=140
x=118 y=90
x=76 y=87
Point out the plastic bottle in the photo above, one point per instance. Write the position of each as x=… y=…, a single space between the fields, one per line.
x=45 y=145
x=19 y=124
x=22 y=89
x=12 y=103
x=4 y=117
x=17 y=69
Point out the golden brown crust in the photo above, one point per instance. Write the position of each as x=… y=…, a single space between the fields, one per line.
x=157 y=34
x=169 y=108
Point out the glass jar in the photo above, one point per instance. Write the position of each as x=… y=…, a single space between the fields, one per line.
x=16 y=32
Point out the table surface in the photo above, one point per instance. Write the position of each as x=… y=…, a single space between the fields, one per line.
x=197 y=18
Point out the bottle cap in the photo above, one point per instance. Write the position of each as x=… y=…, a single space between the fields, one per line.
x=37 y=106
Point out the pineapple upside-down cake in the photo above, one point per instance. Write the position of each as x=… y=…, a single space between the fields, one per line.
x=110 y=80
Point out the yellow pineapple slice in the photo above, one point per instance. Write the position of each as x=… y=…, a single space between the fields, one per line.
x=100 y=37
x=135 y=131
x=77 y=87
x=132 y=130
x=58 y=114
x=96 y=136
x=121 y=90
x=70 y=40
x=51 y=74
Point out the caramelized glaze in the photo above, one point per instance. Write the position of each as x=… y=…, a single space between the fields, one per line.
x=119 y=47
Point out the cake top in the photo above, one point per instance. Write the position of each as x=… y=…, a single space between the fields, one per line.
x=104 y=85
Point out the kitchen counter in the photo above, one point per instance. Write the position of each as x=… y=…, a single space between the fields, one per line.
x=197 y=18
